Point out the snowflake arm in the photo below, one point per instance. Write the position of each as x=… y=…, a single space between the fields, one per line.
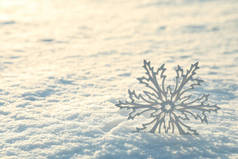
x=182 y=79
x=138 y=104
x=197 y=108
x=155 y=80
x=183 y=128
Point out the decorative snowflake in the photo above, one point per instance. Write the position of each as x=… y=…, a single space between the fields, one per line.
x=169 y=107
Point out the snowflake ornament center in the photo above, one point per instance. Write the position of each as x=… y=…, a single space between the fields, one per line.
x=168 y=106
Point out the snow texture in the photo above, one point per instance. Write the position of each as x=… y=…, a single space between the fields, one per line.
x=65 y=64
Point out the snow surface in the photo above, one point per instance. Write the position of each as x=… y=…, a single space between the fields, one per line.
x=64 y=64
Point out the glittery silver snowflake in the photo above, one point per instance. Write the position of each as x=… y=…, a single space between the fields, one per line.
x=168 y=107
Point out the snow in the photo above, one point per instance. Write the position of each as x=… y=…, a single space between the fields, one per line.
x=65 y=64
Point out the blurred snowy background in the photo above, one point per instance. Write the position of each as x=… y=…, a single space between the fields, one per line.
x=64 y=64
